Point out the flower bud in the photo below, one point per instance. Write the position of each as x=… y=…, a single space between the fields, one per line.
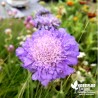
x=8 y=31
x=10 y=48
x=3 y=3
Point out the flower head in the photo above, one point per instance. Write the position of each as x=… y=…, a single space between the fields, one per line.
x=29 y=22
x=83 y=2
x=49 y=54
x=45 y=20
x=10 y=48
x=8 y=31
x=42 y=20
x=75 y=18
x=70 y=3
x=3 y=3
x=91 y=15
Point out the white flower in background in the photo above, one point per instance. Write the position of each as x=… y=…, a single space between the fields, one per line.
x=28 y=31
x=28 y=36
x=80 y=77
x=34 y=29
x=85 y=63
x=21 y=42
x=81 y=55
x=25 y=37
x=8 y=31
x=77 y=76
x=3 y=3
x=89 y=73
x=93 y=64
x=20 y=37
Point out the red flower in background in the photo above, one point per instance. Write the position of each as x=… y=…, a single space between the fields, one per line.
x=83 y=2
x=91 y=15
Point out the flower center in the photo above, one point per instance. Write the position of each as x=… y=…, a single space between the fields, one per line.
x=47 y=50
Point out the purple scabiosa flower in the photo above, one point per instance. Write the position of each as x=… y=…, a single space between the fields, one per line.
x=49 y=54
x=44 y=19
x=46 y=22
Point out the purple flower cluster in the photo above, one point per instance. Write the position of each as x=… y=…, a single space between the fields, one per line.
x=49 y=54
x=29 y=22
x=44 y=19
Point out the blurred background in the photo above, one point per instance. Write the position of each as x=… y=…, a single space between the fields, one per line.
x=78 y=17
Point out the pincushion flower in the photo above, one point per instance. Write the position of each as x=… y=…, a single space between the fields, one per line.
x=49 y=54
x=46 y=22
x=43 y=19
